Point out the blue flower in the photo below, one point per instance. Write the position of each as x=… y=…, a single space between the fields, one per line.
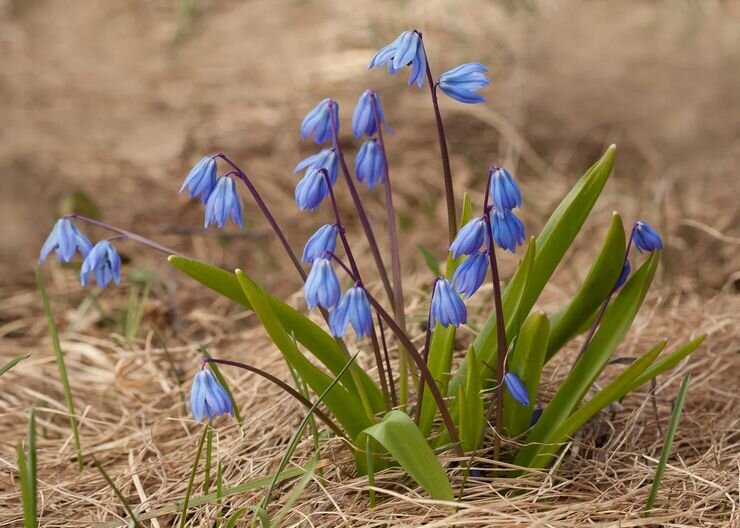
x=646 y=238
x=104 y=262
x=447 y=306
x=508 y=230
x=363 y=119
x=66 y=240
x=201 y=179
x=311 y=190
x=318 y=121
x=208 y=398
x=505 y=193
x=536 y=415
x=460 y=83
x=323 y=240
x=322 y=285
x=353 y=308
x=224 y=202
x=326 y=159
x=406 y=49
x=516 y=388
x=470 y=238
x=625 y=273
x=370 y=164
x=470 y=274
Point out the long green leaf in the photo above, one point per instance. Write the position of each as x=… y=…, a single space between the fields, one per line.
x=471 y=411
x=294 y=494
x=614 y=326
x=670 y=361
x=400 y=436
x=526 y=362
x=13 y=362
x=121 y=498
x=599 y=282
x=344 y=405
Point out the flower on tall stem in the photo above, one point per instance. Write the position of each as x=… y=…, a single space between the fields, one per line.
x=224 y=202
x=646 y=237
x=354 y=309
x=623 y=275
x=406 y=50
x=516 y=388
x=104 y=263
x=318 y=121
x=462 y=82
x=201 y=179
x=470 y=274
x=311 y=190
x=208 y=398
x=65 y=239
x=363 y=118
x=325 y=159
x=505 y=193
x=370 y=164
x=470 y=238
x=324 y=240
x=508 y=230
x=447 y=307
x=322 y=285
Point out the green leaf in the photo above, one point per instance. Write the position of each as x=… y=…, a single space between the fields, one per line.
x=471 y=417
x=13 y=362
x=526 y=362
x=670 y=361
x=217 y=279
x=432 y=262
x=294 y=494
x=343 y=404
x=614 y=326
x=231 y=521
x=400 y=436
x=598 y=284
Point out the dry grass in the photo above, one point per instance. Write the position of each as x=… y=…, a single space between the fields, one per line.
x=132 y=111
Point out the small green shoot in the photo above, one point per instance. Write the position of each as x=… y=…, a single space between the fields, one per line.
x=189 y=491
x=27 y=474
x=13 y=362
x=119 y=495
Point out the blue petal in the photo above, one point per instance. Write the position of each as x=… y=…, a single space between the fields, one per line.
x=516 y=388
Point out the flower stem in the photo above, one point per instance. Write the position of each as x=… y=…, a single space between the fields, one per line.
x=425 y=355
x=446 y=171
x=389 y=370
x=361 y=213
x=266 y=212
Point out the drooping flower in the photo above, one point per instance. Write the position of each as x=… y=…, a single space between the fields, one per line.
x=508 y=230
x=623 y=275
x=470 y=238
x=208 y=398
x=406 y=50
x=461 y=83
x=318 y=121
x=470 y=274
x=224 y=202
x=536 y=415
x=201 y=179
x=323 y=240
x=65 y=239
x=326 y=159
x=646 y=237
x=104 y=262
x=363 y=118
x=322 y=285
x=353 y=308
x=516 y=388
x=505 y=193
x=370 y=164
x=447 y=306
x=311 y=190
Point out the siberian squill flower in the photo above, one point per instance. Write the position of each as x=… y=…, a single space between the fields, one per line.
x=326 y=159
x=461 y=83
x=208 y=398
x=311 y=190
x=623 y=275
x=353 y=308
x=508 y=230
x=363 y=118
x=516 y=388
x=201 y=179
x=322 y=241
x=406 y=50
x=65 y=239
x=370 y=164
x=322 y=285
x=447 y=306
x=104 y=262
x=470 y=274
x=646 y=237
x=223 y=203
x=470 y=238
x=505 y=193
x=318 y=121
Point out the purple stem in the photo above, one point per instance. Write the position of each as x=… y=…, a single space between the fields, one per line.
x=389 y=369
x=425 y=354
x=125 y=234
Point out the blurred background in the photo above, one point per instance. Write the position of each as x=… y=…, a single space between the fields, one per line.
x=106 y=105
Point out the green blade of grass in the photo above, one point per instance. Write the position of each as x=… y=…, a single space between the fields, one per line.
x=118 y=494
x=31 y=465
x=29 y=516
x=54 y=334
x=370 y=469
x=13 y=362
x=672 y=428
x=294 y=494
x=209 y=452
x=189 y=490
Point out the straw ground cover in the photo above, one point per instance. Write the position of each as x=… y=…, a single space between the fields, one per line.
x=127 y=391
